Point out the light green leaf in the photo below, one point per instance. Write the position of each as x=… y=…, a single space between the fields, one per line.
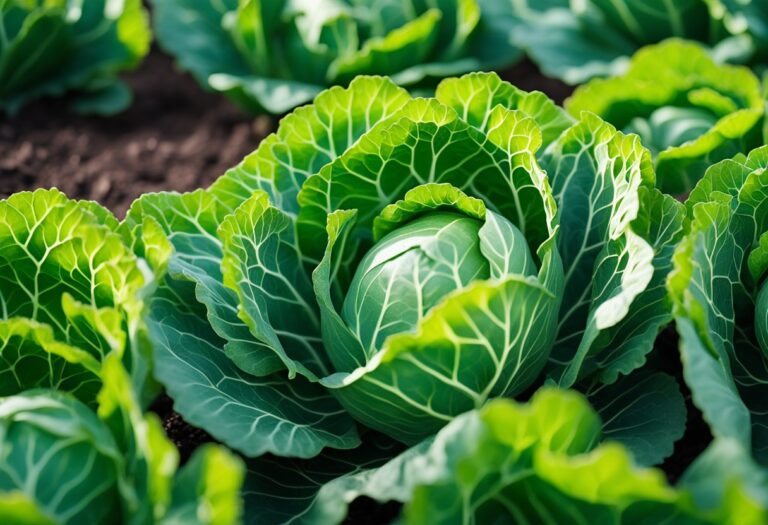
x=308 y=139
x=715 y=299
x=17 y=509
x=679 y=100
x=473 y=96
x=262 y=265
x=51 y=246
x=422 y=200
x=706 y=359
x=428 y=143
x=30 y=358
x=207 y=489
x=62 y=264
x=596 y=174
x=536 y=464
x=624 y=346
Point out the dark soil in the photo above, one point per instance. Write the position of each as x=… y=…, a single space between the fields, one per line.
x=666 y=357
x=174 y=137
x=527 y=77
x=186 y=437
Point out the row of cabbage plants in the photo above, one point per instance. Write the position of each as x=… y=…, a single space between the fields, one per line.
x=450 y=302
x=273 y=55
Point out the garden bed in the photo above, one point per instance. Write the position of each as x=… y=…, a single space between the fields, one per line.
x=177 y=137
x=173 y=137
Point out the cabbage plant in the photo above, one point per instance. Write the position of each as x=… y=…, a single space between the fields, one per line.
x=688 y=110
x=382 y=264
x=271 y=56
x=75 y=445
x=721 y=303
x=52 y=47
x=62 y=463
x=577 y=40
x=72 y=295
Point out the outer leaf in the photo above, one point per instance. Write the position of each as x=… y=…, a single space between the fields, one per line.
x=63 y=265
x=60 y=456
x=715 y=301
x=308 y=139
x=706 y=361
x=428 y=143
x=643 y=411
x=473 y=96
x=680 y=77
x=279 y=490
x=625 y=345
x=262 y=264
x=207 y=489
x=596 y=174
x=52 y=246
x=189 y=223
x=253 y=415
x=30 y=358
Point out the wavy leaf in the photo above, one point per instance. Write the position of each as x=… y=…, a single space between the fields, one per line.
x=253 y=415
